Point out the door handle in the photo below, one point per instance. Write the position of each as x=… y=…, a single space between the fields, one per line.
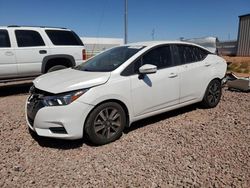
x=8 y=53
x=207 y=64
x=43 y=52
x=172 y=75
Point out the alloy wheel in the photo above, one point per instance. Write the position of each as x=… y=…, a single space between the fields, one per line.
x=214 y=93
x=107 y=122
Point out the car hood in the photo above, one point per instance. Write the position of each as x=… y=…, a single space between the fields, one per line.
x=69 y=80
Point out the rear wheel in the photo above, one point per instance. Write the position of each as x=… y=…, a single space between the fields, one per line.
x=105 y=123
x=56 y=67
x=213 y=94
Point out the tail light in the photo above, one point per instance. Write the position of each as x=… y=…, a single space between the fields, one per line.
x=84 y=56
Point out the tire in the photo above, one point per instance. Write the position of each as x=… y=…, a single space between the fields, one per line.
x=212 y=95
x=56 y=67
x=105 y=123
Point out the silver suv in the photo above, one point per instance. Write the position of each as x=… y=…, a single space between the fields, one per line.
x=30 y=51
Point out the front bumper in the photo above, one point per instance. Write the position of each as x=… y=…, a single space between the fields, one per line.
x=64 y=122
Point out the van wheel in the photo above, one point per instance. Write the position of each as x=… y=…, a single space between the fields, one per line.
x=212 y=95
x=105 y=123
x=56 y=67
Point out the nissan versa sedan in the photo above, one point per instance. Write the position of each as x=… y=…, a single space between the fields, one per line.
x=107 y=93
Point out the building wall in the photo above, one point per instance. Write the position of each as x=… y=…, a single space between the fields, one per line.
x=94 y=46
x=244 y=36
x=227 y=48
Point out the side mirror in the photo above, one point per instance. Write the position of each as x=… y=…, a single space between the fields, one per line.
x=148 y=69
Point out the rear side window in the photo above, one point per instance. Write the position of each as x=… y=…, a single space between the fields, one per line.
x=4 y=39
x=28 y=38
x=190 y=54
x=60 y=37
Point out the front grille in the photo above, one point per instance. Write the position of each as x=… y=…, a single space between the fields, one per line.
x=35 y=103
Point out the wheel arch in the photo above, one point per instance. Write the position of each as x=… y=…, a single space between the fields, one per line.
x=122 y=104
x=204 y=89
x=51 y=60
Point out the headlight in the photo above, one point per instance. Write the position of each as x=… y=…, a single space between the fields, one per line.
x=63 y=99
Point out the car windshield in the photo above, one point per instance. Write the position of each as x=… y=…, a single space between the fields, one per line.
x=110 y=59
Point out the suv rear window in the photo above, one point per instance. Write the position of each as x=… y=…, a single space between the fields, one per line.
x=28 y=38
x=62 y=38
x=4 y=39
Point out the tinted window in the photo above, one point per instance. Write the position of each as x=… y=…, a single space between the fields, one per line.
x=59 y=37
x=160 y=56
x=28 y=38
x=109 y=60
x=190 y=54
x=200 y=53
x=4 y=39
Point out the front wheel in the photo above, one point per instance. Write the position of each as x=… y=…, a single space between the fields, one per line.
x=212 y=95
x=105 y=123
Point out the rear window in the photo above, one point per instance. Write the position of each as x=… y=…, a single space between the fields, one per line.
x=62 y=38
x=4 y=39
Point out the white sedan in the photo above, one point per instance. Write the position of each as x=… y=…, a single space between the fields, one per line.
x=99 y=98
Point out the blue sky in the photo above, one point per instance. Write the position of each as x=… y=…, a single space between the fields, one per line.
x=170 y=19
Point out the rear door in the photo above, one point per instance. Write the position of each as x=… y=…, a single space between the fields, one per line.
x=8 y=66
x=193 y=72
x=152 y=92
x=30 y=51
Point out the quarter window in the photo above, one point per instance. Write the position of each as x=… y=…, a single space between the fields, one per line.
x=28 y=38
x=4 y=39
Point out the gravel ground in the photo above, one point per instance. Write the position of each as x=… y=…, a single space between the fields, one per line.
x=189 y=147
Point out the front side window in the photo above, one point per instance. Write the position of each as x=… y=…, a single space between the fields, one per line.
x=4 y=39
x=65 y=38
x=160 y=57
x=28 y=38
x=110 y=59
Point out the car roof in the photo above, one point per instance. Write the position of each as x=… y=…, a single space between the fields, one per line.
x=30 y=27
x=156 y=43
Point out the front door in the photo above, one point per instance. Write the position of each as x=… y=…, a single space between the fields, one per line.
x=152 y=92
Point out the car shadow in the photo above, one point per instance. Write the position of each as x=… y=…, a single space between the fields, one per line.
x=154 y=119
x=74 y=144
x=59 y=143
x=14 y=89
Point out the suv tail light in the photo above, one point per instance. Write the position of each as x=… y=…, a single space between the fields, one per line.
x=84 y=56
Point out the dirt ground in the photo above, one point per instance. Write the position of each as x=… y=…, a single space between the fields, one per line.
x=238 y=65
x=189 y=147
